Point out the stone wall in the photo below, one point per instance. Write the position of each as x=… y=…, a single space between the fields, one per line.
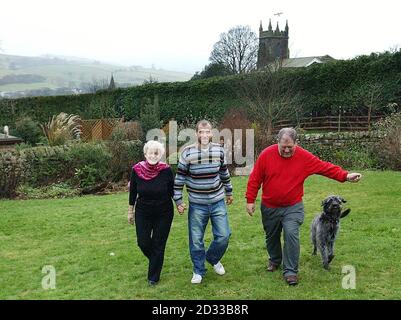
x=339 y=139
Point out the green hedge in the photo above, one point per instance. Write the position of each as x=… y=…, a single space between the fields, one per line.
x=80 y=165
x=323 y=88
x=12 y=173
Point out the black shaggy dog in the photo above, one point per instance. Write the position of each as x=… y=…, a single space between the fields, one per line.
x=325 y=227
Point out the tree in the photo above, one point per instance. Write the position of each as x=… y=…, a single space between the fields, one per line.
x=237 y=49
x=213 y=69
x=95 y=85
x=102 y=106
x=270 y=96
x=28 y=130
x=150 y=80
x=150 y=115
x=370 y=94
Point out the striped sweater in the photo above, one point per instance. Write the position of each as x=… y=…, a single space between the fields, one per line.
x=205 y=174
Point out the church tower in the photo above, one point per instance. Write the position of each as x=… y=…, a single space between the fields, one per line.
x=273 y=45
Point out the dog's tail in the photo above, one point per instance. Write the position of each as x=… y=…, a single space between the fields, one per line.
x=345 y=213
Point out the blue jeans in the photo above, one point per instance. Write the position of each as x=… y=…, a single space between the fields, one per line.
x=198 y=218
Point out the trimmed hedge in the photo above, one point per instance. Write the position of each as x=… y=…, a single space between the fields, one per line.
x=12 y=172
x=80 y=165
x=324 y=88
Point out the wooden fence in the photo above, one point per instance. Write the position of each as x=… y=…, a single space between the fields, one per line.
x=101 y=129
x=98 y=129
x=330 y=123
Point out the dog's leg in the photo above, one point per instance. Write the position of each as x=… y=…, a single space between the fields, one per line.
x=313 y=237
x=331 y=251
x=331 y=242
x=325 y=258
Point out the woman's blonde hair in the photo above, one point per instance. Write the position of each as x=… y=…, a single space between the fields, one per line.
x=153 y=144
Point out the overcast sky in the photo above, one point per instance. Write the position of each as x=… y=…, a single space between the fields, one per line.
x=179 y=34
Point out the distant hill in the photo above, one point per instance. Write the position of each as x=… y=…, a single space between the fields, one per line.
x=52 y=75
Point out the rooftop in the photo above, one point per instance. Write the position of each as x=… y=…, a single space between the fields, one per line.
x=9 y=139
x=305 y=61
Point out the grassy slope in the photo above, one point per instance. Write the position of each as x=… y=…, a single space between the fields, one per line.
x=58 y=75
x=77 y=235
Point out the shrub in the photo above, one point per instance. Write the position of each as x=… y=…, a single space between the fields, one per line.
x=89 y=175
x=360 y=159
x=60 y=190
x=83 y=165
x=130 y=130
x=150 y=116
x=62 y=128
x=124 y=154
x=12 y=172
x=349 y=150
x=389 y=147
x=28 y=130
x=262 y=139
x=90 y=162
x=46 y=165
x=49 y=165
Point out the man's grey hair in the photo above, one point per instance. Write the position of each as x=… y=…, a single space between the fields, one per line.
x=287 y=132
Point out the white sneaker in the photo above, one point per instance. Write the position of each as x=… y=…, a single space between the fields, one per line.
x=196 y=278
x=219 y=269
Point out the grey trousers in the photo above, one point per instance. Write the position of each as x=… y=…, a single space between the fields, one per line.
x=288 y=219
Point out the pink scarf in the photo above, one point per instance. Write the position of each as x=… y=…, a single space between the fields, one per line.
x=148 y=171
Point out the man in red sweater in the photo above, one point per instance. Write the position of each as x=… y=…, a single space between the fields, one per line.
x=281 y=169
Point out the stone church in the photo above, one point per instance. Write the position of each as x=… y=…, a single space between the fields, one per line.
x=273 y=49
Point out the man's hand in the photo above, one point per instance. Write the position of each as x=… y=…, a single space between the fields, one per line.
x=354 y=177
x=250 y=208
x=131 y=215
x=229 y=200
x=181 y=208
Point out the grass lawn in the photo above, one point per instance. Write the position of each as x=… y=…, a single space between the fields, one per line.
x=77 y=235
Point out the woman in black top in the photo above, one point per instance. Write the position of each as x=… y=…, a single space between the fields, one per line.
x=151 y=206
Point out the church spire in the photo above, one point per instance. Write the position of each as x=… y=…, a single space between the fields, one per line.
x=277 y=31
x=270 y=25
x=286 y=28
x=260 y=27
x=112 y=84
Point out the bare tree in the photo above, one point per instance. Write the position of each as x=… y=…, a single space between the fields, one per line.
x=150 y=80
x=237 y=49
x=270 y=95
x=96 y=85
x=393 y=49
x=371 y=95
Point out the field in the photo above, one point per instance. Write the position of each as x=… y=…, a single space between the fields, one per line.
x=75 y=73
x=93 y=249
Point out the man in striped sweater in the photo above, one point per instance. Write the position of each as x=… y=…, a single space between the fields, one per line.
x=203 y=169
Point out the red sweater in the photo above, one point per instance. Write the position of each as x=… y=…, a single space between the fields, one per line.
x=283 y=178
